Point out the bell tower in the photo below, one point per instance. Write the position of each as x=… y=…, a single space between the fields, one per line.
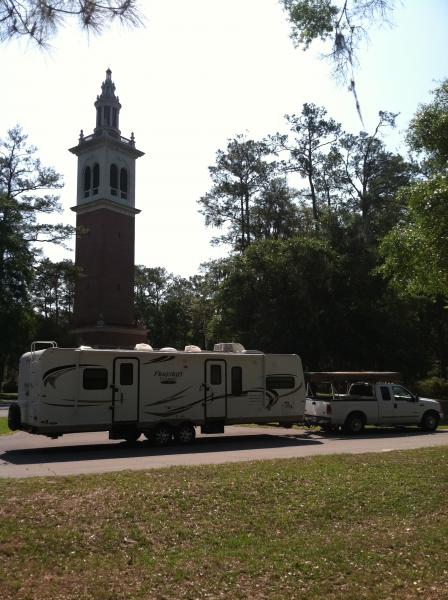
x=105 y=219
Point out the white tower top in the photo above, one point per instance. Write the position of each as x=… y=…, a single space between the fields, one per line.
x=106 y=159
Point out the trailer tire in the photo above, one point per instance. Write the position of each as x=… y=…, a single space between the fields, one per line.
x=354 y=423
x=430 y=421
x=286 y=424
x=161 y=435
x=185 y=433
x=14 y=417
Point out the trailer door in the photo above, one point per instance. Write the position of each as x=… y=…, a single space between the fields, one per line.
x=215 y=391
x=125 y=389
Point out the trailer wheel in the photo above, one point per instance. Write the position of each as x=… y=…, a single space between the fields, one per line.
x=354 y=423
x=185 y=433
x=161 y=435
x=14 y=417
x=430 y=421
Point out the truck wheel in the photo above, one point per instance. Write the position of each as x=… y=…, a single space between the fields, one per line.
x=430 y=421
x=14 y=417
x=185 y=433
x=162 y=435
x=354 y=424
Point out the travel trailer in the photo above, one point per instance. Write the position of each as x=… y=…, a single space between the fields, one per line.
x=163 y=394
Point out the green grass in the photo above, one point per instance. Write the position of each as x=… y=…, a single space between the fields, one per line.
x=4 y=429
x=369 y=527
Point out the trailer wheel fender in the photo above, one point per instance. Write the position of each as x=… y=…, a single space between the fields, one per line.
x=14 y=417
x=354 y=423
x=185 y=433
x=430 y=421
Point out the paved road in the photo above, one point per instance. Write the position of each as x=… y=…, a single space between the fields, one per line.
x=25 y=455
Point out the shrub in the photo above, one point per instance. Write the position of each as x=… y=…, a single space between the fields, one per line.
x=433 y=387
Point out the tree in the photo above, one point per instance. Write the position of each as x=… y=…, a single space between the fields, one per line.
x=428 y=130
x=416 y=250
x=275 y=214
x=238 y=175
x=53 y=290
x=370 y=177
x=342 y=24
x=40 y=19
x=24 y=198
x=311 y=132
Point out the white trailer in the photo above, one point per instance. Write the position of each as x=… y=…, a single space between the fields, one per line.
x=162 y=394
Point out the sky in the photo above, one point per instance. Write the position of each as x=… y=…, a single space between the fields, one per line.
x=194 y=76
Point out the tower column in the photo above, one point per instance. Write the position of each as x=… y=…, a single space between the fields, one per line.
x=105 y=220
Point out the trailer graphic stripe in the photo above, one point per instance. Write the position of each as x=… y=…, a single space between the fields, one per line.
x=159 y=360
x=50 y=376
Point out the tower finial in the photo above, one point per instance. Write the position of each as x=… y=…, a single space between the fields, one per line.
x=107 y=108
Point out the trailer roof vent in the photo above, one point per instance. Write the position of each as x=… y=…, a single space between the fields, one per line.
x=143 y=347
x=167 y=349
x=228 y=347
x=192 y=349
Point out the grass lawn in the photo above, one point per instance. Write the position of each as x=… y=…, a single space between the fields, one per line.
x=4 y=429
x=371 y=526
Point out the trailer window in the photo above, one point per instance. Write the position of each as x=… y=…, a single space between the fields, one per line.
x=94 y=379
x=279 y=382
x=215 y=375
x=237 y=381
x=126 y=374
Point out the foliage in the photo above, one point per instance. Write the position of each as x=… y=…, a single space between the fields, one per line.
x=416 y=250
x=167 y=306
x=343 y=24
x=311 y=132
x=24 y=199
x=428 y=130
x=238 y=175
x=433 y=387
x=39 y=19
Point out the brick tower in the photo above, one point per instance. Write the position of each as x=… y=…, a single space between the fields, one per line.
x=105 y=215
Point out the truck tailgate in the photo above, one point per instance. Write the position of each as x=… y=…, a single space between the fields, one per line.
x=317 y=410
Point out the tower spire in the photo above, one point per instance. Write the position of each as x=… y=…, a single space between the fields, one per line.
x=107 y=108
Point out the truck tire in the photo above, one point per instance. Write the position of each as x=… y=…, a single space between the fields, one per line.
x=354 y=423
x=14 y=417
x=184 y=433
x=430 y=421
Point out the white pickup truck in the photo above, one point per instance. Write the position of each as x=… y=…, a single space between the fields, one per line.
x=352 y=400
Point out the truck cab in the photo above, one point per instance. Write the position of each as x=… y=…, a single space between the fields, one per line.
x=337 y=400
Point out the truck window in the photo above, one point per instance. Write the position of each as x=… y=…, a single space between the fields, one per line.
x=215 y=375
x=361 y=389
x=94 y=379
x=126 y=374
x=385 y=392
x=279 y=382
x=401 y=393
x=237 y=381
